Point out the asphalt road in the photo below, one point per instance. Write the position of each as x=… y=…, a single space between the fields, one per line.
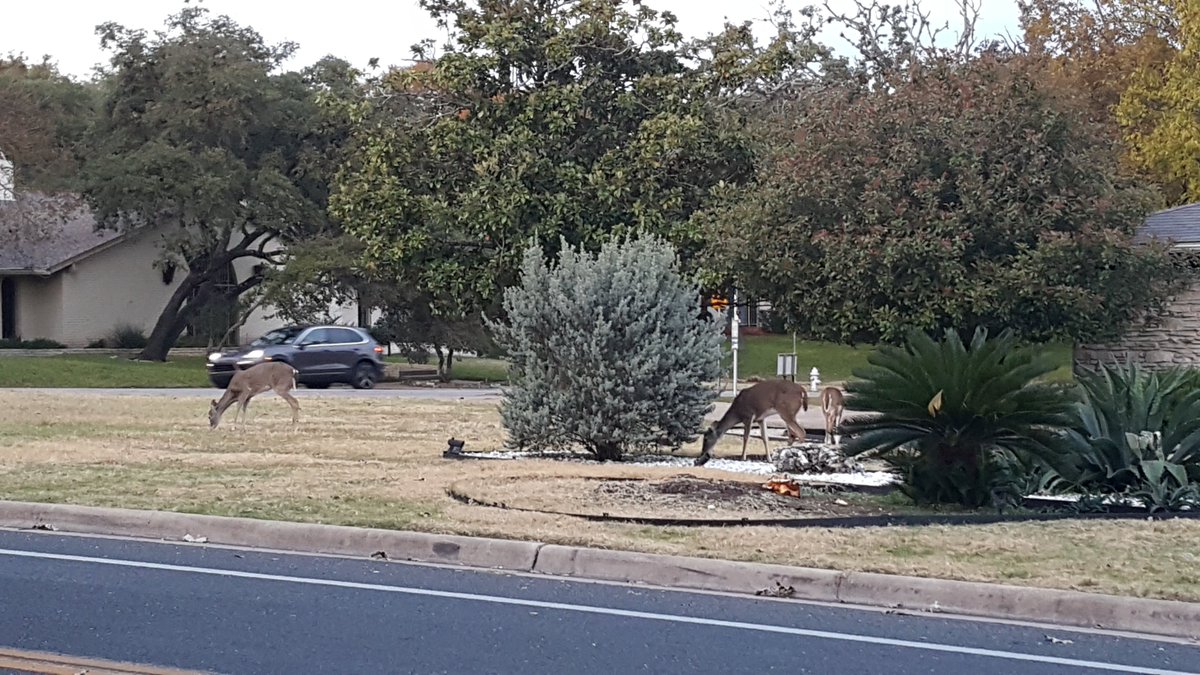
x=237 y=611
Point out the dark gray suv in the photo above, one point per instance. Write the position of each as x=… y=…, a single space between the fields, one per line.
x=323 y=355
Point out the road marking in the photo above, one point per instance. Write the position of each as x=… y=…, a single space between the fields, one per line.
x=48 y=663
x=633 y=585
x=607 y=611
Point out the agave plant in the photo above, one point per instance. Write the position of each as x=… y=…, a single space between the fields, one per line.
x=962 y=423
x=1138 y=433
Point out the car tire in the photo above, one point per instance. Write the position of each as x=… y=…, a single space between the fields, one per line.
x=364 y=376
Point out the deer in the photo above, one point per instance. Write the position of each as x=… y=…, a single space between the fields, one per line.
x=274 y=376
x=754 y=404
x=833 y=404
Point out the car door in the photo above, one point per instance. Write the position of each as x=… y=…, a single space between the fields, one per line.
x=310 y=357
x=343 y=347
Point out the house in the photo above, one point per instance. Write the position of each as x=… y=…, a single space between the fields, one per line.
x=1173 y=339
x=62 y=279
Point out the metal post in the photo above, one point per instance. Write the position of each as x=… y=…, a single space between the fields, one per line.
x=733 y=337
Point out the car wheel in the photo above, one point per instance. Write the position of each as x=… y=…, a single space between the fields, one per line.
x=364 y=376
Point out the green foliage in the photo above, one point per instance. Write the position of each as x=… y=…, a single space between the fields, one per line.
x=1157 y=109
x=202 y=134
x=958 y=190
x=1138 y=434
x=607 y=351
x=409 y=321
x=36 y=343
x=577 y=120
x=126 y=336
x=963 y=424
x=43 y=119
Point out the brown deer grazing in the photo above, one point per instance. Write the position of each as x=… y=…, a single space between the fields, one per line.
x=246 y=384
x=833 y=404
x=753 y=405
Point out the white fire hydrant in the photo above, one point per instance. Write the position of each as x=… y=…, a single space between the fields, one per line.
x=814 y=379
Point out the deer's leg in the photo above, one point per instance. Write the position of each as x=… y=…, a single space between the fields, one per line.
x=746 y=427
x=243 y=404
x=291 y=401
x=795 y=431
x=762 y=427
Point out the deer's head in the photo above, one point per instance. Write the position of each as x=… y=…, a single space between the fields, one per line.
x=710 y=438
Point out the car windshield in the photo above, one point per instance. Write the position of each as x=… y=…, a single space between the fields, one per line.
x=283 y=336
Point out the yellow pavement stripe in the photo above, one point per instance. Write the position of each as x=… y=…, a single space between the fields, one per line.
x=61 y=664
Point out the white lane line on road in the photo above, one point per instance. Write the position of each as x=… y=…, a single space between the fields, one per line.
x=607 y=611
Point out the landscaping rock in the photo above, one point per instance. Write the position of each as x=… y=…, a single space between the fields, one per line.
x=813 y=458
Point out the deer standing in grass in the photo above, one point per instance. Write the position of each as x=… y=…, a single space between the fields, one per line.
x=753 y=405
x=833 y=404
x=246 y=384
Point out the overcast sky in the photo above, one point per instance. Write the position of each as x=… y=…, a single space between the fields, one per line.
x=356 y=30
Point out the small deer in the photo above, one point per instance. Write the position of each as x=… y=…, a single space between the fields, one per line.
x=246 y=384
x=833 y=404
x=754 y=404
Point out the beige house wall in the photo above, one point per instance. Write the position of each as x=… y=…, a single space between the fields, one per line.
x=119 y=285
x=1174 y=340
x=39 y=307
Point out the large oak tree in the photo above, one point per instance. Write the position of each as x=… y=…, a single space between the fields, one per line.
x=203 y=134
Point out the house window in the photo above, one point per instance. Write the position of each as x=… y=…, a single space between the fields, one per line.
x=748 y=314
x=8 y=308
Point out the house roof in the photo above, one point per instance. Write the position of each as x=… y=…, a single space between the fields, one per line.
x=1180 y=226
x=42 y=234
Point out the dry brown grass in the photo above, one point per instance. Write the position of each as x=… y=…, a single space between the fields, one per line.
x=377 y=462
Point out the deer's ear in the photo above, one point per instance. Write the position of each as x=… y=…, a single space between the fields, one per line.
x=214 y=401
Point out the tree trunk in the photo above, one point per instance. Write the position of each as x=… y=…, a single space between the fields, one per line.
x=441 y=362
x=607 y=451
x=445 y=373
x=172 y=320
x=181 y=308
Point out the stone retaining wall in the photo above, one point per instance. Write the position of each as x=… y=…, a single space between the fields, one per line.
x=1172 y=340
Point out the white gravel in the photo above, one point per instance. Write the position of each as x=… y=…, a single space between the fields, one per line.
x=753 y=468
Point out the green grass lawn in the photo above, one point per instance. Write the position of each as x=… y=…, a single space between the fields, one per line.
x=468 y=368
x=101 y=371
x=756 y=356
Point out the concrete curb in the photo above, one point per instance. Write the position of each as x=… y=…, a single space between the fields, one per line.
x=996 y=601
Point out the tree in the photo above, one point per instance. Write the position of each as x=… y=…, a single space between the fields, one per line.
x=1158 y=113
x=607 y=352
x=409 y=321
x=43 y=119
x=1095 y=47
x=200 y=133
x=577 y=119
x=955 y=190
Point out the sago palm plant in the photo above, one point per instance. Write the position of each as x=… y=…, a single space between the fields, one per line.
x=961 y=423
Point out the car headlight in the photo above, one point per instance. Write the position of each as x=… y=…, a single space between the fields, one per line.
x=253 y=355
x=214 y=356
